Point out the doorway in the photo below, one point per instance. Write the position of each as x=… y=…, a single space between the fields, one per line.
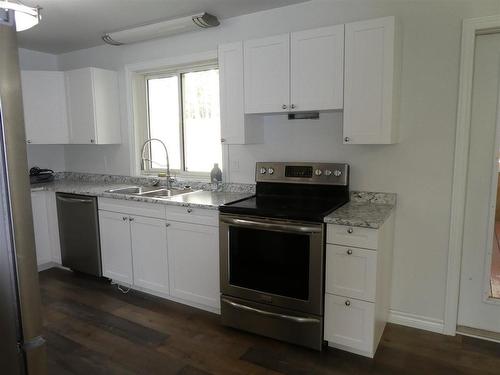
x=480 y=267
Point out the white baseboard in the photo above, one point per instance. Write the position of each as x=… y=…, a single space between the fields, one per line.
x=46 y=266
x=416 y=321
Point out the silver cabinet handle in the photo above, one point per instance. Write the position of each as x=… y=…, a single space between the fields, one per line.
x=296 y=319
x=167 y=224
x=292 y=106
x=74 y=200
x=348 y=303
x=28 y=140
x=272 y=226
x=189 y=210
x=349 y=252
x=284 y=106
x=347 y=139
x=125 y=218
x=92 y=141
x=131 y=219
x=223 y=140
x=350 y=230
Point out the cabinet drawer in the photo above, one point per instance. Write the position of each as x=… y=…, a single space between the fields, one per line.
x=193 y=215
x=132 y=208
x=351 y=272
x=349 y=322
x=352 y=236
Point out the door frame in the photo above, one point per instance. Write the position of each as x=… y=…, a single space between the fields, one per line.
x=470 y=29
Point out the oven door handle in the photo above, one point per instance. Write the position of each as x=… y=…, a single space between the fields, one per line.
x=271 y=226
x=295 y=319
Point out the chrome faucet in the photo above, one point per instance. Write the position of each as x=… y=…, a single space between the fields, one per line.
x=143 y=159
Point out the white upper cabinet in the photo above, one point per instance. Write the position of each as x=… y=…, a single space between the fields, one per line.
x=235 y=129
x=371 y=82
x=267 y=74
x=44 y=101
x=301 y=71
x=317 y=69
x=93 y=106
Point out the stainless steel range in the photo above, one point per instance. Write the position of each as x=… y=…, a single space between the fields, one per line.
x=272 y=250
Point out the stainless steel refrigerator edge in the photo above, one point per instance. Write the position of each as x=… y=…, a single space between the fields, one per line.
x=20 y=304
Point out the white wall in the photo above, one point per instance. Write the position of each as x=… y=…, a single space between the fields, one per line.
x=419 y=168
x=51 y=156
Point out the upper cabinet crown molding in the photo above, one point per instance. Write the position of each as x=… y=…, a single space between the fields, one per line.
x=93 y=106
x=44 y=102
x=371 y=91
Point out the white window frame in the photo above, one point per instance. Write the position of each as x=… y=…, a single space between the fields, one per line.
x=136 y=79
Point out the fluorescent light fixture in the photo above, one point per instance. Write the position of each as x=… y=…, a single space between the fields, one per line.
x=161 y=29
x=25 y=17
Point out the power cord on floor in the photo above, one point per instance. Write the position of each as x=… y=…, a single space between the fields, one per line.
x=120 y=288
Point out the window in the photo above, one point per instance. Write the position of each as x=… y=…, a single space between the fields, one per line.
x=184 y=112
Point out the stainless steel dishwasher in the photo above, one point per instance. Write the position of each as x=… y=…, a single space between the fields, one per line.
x=79 y=233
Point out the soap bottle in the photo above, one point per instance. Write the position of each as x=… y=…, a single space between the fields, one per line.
x=216 y=174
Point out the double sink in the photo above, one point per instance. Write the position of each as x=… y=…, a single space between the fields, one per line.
x=151 y=191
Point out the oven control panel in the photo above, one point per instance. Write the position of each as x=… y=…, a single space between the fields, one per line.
x=303 y=173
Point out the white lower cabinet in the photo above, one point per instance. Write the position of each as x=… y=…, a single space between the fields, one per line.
x=351 y=324
x=149 y=253
x=351 y=272
x=357 y=286
x=116 y=247
x=48 y=249
x=177 y=259
x=193 y=252
x=41 y=228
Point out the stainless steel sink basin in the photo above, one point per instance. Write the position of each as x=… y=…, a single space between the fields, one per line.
x=135 y=190
x=165 y=193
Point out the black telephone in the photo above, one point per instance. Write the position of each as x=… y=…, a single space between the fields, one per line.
x=38 y=175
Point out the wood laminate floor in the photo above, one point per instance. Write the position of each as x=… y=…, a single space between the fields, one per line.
x=93 y=329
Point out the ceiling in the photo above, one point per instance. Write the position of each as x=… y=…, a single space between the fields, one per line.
x=69 y=25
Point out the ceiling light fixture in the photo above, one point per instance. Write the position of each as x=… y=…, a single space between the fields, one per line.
x=161 y=29
x=25 y=17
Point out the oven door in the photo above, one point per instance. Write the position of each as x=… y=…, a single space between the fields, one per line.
x=273 y=262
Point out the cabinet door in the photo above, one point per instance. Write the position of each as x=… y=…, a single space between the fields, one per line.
x=41 y=227
x=116 y=251
x=106 y=106
x=317 y=69
x=44 y=102
x=349 y=322
x=52 y=222
x=80 y=98
x=232 y=104
x=369 y=82
x=149 y=251
x=193 y=252
x=267 y=74
x=351 y=272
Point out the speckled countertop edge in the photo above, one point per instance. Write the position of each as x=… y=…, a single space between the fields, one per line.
x=99 y=189
x=366 y=210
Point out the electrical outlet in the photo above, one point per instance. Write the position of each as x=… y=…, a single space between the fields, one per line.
x=235 y=165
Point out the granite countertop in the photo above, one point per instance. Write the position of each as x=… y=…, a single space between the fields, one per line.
x=366 y=210
x=201 y=199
